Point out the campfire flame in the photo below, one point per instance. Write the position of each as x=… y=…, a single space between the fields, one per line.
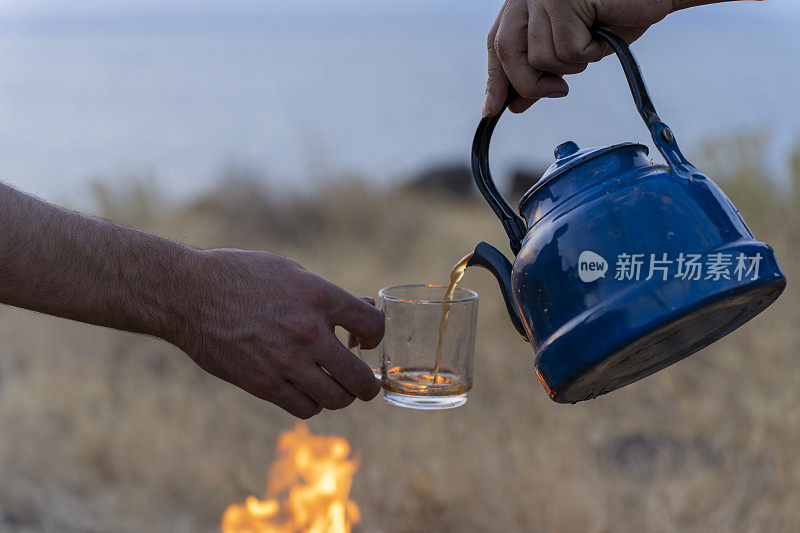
x=308 y=489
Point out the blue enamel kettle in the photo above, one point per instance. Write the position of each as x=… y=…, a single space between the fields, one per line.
x=623 y=267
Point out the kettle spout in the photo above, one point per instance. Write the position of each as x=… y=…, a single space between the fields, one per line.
x=493 y=260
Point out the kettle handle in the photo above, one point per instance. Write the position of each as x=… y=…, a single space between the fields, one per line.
x=662 y=135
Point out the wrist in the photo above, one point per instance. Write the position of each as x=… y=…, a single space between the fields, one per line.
x=177 y=299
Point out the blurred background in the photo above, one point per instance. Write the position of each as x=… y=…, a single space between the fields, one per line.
x=338 y=134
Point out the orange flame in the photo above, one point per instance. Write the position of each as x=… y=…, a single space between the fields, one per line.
x=308 y=489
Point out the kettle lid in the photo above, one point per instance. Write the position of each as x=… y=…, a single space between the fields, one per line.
x=568 y=156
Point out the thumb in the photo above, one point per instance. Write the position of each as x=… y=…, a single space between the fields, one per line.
x=496 y=86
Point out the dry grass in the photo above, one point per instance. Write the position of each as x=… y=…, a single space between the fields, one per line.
x=106 y=431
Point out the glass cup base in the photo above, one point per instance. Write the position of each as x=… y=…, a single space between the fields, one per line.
x=424 y=402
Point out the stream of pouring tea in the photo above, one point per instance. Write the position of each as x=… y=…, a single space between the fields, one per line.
x=455 y=276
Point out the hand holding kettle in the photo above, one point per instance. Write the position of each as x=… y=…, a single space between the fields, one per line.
x=533 y=43
x=606 y=205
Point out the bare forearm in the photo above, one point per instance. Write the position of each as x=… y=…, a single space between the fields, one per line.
x=63 y=263
x=256 y=319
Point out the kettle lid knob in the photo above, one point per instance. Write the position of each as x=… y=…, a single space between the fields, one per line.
x=565 y=149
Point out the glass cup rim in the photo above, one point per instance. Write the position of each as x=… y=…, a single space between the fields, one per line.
x=471 y=296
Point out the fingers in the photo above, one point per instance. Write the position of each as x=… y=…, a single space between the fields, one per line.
x=628 y=34
x=304 y=389
x=496 y=87
x=342 y=375
x=541 y=48
x=520 y=104
x=296 y=402
x=285 y=395
x=572 y=41
x=323 y=389
x=314 y=381
x=532 y=45
x=356 y=315
x=511 y=48
x=348 y=370
x=352 y=340
x=497 y=83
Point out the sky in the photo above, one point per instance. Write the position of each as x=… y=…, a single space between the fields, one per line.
x=92 y=88
x=342 y=13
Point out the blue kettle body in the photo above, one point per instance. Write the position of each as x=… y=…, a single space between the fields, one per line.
x=623 y=267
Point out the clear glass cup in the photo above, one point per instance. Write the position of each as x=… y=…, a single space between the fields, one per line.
x=407 y=357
